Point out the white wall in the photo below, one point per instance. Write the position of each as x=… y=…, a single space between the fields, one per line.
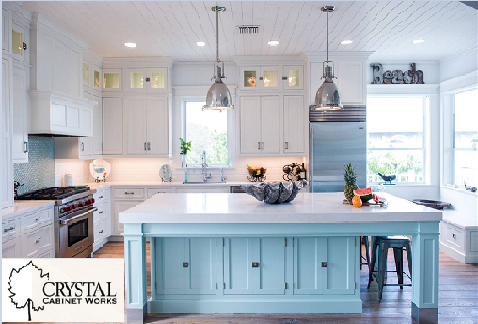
x=200 y=74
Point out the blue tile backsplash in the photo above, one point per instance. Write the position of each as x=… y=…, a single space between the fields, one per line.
x=39 y=172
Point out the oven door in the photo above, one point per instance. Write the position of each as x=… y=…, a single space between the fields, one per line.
x=76 y=233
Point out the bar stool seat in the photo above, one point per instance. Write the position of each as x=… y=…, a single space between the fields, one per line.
x=383 y=244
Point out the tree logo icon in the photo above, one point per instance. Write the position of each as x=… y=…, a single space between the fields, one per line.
x=21 y=296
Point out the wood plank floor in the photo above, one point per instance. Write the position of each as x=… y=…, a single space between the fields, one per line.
x=458 y=299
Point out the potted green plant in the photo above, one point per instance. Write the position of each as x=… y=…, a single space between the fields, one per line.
x=185 y=147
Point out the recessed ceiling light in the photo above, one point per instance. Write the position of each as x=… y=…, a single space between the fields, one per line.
x=347 y=41
x=273 y=43
x=418 y=41
x=201 y=44
x=130 y=44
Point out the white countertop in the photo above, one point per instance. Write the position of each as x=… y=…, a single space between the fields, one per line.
x=242 y=208
x=167 y=184
x=26 y=206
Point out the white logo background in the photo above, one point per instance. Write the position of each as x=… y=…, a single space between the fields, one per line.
x=28 y=284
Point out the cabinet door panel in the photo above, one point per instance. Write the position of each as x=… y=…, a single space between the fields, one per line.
x=339 y=273
x=112 y=126
x=269 y=277
x=270 y=77
x=202 y=264
x=270 y=120
x=120 y=206
x=350 y=81
x=169 y=276
x=309 y=252
x=294 y=139
x=237 y=266
x=293 y=77
x=250 y=125
x=157 y=126
x=97 y=142
x=20 y=137
x=136 y=120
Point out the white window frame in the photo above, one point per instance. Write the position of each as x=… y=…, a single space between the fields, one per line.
x=425 y=145
x=455 y=149
x=230 y=143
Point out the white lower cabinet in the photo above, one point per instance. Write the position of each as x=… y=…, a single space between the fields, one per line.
x=152 y=192
x=29 y=235
x=101 y=217
x=120 y=206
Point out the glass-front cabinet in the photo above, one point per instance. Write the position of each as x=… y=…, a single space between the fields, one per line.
x=111 y=80
x=293 y=77
x=18 y=42
x=86 y=74
x=282 y=77
x=96 y=79
x=150 y=79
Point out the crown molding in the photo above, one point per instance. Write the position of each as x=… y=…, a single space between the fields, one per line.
x=93 y=58
x=137 y=62
x=462 y=82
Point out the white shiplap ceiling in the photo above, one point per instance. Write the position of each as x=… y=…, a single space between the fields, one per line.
x=172 y=28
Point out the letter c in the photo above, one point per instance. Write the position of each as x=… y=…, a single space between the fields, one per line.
x=51 y=295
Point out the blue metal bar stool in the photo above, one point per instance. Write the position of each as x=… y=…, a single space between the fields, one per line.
x=381 y=245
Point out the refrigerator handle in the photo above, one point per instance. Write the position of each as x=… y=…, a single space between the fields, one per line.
x=311 y=159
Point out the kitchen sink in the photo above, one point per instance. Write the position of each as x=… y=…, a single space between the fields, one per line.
x=204 y=182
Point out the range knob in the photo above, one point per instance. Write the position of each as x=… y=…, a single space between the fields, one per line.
x=88 y=202
x=68 y=208
x=92 y=200
x=63 y=210
x=73 y=206
x=80 y=205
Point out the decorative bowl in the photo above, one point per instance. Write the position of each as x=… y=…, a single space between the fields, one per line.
x=275 y=192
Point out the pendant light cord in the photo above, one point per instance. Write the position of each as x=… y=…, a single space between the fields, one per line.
x=217 y=34
x=327 y=36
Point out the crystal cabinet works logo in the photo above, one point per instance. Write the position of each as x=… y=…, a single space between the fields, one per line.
x=60 y=290
x=22 y=298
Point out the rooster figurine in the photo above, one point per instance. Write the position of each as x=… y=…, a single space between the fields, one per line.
x=387 y=178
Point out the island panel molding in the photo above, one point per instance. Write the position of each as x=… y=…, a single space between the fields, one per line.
x=237 y=235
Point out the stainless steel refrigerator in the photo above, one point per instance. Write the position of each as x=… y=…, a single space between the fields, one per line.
x=337 y=137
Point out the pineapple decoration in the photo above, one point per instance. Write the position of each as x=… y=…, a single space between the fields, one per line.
x=350 y=177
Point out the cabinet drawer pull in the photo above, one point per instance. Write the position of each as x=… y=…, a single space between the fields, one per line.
x=101 y=231
x=262 y=145
x=129 y=193
x=100 y=197
x=255 y=264
x=286 y=145
x=100 y=212
x=284 y=78
x=6 y=230
x=185 y=264
x=324 y=264
x=78 y=248
x=82 y=146
x=145 y=146
x=454 y=236
x=25 y=144
x=149 y=146
x=39 y=239
x=258 y=145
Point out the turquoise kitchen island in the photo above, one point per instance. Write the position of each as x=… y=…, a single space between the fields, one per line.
x=229 y=253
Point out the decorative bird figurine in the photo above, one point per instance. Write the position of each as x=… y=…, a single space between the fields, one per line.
x=388 y=178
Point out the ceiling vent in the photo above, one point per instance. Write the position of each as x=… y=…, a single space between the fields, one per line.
x=248 y=29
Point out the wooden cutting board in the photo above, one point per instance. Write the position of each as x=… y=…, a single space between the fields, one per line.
x=346 y=202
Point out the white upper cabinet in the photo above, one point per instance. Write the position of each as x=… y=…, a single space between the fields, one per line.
x=351 y=81
x=294 y=124
x=18 y=42
x=97 y=141
x=20 y=122
x=250 y=109
x=149 y=79
x=293 y=77
x=270 y=120
x=112 y=80
x=260 y=125
x=112 y=126
x=260 y=77
x=5 y=30
x=147 y=126
x=6 y=131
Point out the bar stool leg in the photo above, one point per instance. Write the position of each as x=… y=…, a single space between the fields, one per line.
x=383 y=252
x=409 y=260
x=360 y=252
x=367 y=252
x=371 y=268
x=398 y=255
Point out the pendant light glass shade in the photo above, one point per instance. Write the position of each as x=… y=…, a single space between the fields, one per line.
x=327 y=96
x=218 y=97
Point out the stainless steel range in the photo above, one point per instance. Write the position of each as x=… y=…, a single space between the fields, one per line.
x=73 y=218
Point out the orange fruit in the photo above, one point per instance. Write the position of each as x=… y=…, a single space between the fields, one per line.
x=356 y=201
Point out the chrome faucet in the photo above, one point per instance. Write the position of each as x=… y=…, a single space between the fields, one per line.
x=204 y=167
x=223 y=178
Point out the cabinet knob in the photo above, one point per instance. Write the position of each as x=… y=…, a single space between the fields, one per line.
x=255 y=264
x=185 y=264
x=324 y=264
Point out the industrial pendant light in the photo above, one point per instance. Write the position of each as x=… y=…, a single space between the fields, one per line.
x=327 y=97
x=218 y=97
